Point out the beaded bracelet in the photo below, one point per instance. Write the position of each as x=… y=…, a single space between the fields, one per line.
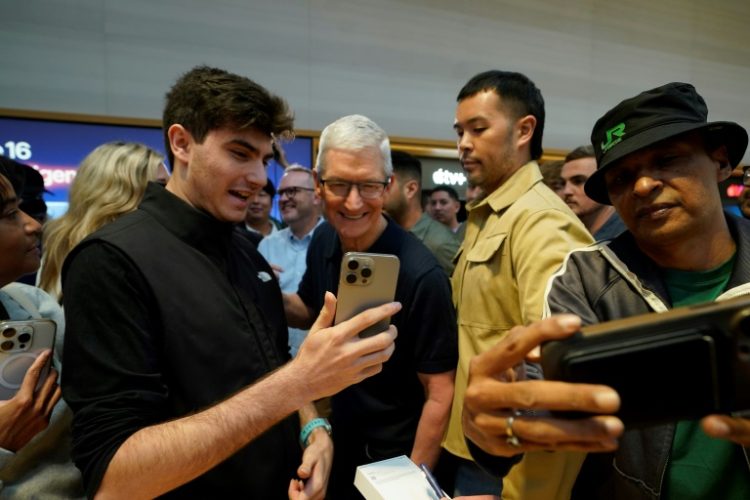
x=304 y=434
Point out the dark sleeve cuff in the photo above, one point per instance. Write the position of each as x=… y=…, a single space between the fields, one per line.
x=491 y=464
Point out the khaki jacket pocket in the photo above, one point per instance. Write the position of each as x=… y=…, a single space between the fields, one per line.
x=484 y=250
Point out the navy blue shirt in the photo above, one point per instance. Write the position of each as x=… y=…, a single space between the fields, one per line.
x=386 y=408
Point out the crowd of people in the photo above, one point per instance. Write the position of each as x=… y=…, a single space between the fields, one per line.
x=201 y=355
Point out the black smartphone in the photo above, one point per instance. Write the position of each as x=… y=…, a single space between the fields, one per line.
x=366 y=280
x=681 y=364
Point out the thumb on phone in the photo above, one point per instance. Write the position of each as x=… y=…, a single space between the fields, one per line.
x=327 y=313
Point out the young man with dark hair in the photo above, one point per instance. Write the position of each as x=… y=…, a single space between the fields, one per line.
x=516 y=237
x=404 y=204
x=444 y=207
x=659 y=162
x=258 y=222
x=600 y=219
x=179 y=374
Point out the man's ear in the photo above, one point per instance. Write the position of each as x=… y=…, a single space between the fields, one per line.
x=411 y=189
x=525 y=130
x=317 y=200
x=316 y=183
x=181 y=141
x=720 y=155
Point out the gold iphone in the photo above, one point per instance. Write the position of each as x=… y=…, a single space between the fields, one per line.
x=366 y=280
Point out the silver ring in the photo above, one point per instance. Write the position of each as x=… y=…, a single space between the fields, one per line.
x=511 y=438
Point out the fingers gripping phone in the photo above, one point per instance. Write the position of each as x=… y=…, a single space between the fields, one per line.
x=366 y=280
x=684 y=363
x=21 y=342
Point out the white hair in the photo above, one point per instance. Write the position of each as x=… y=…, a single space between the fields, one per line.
x=354 y=132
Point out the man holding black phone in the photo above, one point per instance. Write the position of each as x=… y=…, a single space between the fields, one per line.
x=659 y=161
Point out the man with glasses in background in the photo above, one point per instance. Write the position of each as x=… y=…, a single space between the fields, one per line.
x=286 y=250
x=404 y=409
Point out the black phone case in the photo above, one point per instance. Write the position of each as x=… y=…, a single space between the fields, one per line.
x=680 y=364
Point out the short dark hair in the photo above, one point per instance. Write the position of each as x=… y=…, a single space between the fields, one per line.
x=206 y=99
x=14 y=173
x=407 y=166
x=519 y=95
x=447 y=189
x=6 y=191
x=585 y=151
x=269 y=188
x=551 y=171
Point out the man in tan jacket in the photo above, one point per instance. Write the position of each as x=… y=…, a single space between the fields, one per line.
x=516 y=237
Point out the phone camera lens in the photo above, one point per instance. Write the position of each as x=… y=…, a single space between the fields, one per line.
x=352 y=264
x=24 y=337
x=9 y=333
x=351 y=278
x=7 y=345
x=366 y=272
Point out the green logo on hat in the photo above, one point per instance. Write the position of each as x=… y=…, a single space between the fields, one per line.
x=614 y=136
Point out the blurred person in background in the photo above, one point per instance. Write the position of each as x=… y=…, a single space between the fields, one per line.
x=35 y=423
x=31 y=197
x=474 y=192
x=601 y=220
x=444 y=206
x=551 y=176
x=258 y=221
x=286 y=250
x=404 y=204
x=110 y=182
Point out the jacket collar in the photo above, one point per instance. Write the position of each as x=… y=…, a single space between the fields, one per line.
x=626 y=249
x=195 y=227
x=517 y=184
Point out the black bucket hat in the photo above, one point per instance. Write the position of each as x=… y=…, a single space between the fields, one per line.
x=651 y=117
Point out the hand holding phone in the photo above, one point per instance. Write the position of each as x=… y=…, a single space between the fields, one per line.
x=366 y=280
x=680 y=364
x=28 y=412
x=332 y=357
x=21 y=342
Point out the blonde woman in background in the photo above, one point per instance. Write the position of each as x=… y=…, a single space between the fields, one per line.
x=110 y=182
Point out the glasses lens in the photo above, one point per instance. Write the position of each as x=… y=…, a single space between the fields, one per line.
x=746 y=177
x=339 y=188
x=367 y=190
x=371 y=189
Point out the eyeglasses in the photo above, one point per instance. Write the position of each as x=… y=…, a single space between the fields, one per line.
x=368 y=190
x=291 y=192
x=746 y=177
